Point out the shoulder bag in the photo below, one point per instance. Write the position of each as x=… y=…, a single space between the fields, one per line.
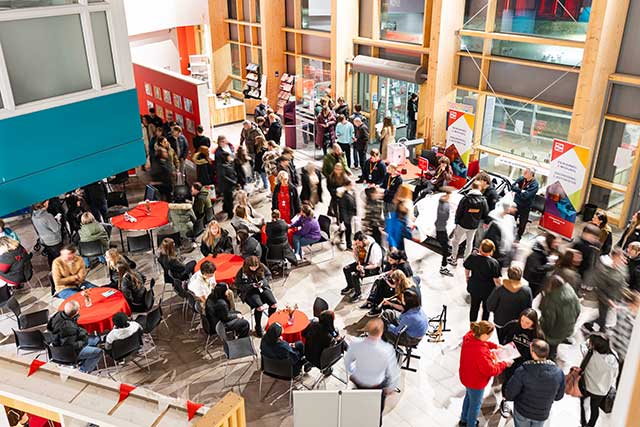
x=572 y=379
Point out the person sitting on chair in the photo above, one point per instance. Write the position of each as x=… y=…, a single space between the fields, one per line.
x=307 y=230
x=384 y=287
x=395 y=284
x=69 y=273
x=131 y=284
x=252 y=282
x=91 y=231
x=320 y=335
x=218 y=308
x=113 y=257
x=170 y=262
x=247 y=244
x=368 y=256
x=15 y=263
x=202 y=282
x=216 y=240
x=122 y=329
x=241 y=220
x=277 y=236
x=412 y=317
x=274 y=347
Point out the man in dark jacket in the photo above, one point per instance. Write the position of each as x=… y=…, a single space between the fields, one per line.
x=201 y=199
x=261 y=109
x=348 y=210
x=162 y=173
x=65 y=331
x=525 y=189
x=534 y=387
x=200 y=139
x=472 y=210
x=227 y=181
x=95 y=195
x=538 y=264
x=250 y=131
x=589 y=246
x=373 y=170
x=412 y=116
x=360 y=143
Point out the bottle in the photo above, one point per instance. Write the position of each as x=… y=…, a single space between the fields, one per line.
x=87 y=299
x=148 y=206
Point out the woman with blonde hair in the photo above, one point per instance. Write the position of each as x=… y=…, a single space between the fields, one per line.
x=336 y=180
x=387 y=136
x=400 y=282
x=216 y=240
x=269 y=163
x=285 y=198
x=15 y=263
x=90 y=231
x=242 y=199
x=112 y=258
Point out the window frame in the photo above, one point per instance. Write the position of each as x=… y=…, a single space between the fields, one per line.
x=120 y=53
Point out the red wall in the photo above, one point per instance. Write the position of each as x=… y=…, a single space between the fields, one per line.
x=186 y=46
x=146 y=76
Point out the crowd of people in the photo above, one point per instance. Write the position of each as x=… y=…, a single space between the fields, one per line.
x=557 y=277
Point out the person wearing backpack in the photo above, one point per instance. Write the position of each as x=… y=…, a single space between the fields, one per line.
x=471 y=210
x=15 y=263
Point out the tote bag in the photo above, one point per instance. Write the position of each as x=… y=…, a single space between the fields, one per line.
x=572 y=379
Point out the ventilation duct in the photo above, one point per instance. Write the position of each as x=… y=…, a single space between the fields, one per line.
x=392 y=69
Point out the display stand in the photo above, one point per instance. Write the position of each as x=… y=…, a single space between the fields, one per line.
x=199 y=67
x=287 y=84
x=336 y=408
x=253 y=89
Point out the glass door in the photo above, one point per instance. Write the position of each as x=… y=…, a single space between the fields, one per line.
x=393 y=96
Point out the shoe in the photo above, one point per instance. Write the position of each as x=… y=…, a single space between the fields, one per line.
x=366 y=306
x=346 y=291
x=327 y=372
x=505 y=410
x=452 y=261
x=356 y=298
x=445 y=272
x=307 y=367
x=259 y=333
x=462 y=424
x=374 y=312
x=588 y=326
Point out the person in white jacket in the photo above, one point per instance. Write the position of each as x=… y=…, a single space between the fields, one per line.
x=600 y=374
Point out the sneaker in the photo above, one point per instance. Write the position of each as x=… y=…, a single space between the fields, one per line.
x=356 y=298
x=346 y=291
x=307 y=367
x=505 y=410
x=374 y=312
x=445 y=272
x=366 y=306
x=327 y=372
x=452 y=261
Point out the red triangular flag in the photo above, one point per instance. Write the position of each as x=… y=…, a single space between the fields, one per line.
x=35 y=365
x=125 y=389
x=192 y=408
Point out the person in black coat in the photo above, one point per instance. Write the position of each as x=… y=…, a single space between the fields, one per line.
x=348 y=210
x=381 y=289
x=538 y=262
x=391 y=184
x=307 y=191
x=162 y=173
x=227 y=182
x=277 y=203
x=217 y=309
x=252 y=283
x=509 y=300
x=131 y=285
x=216 y=240
x=488 y=190
x=412 y=116
x=535 y=385
x=95 y=194
x=274 y=347
x=589 y=246
x=247 y=244
x=277 y=232
x=374 y=170
x=170 y=262
x=275 y=129
x=361 y=142
x=320 y=335
x=633 y=265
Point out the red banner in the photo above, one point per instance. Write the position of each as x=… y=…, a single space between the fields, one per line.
x=35 y=365
x=192 y=408
x=125 y=389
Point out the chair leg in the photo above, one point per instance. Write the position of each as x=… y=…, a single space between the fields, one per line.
x=260 y=388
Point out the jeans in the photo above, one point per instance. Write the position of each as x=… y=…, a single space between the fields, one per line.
x=90 y=355
x=87 y=260
x=471 y=406
x=461 y=234
x=359 y=157
x=412 y=126
x=521 y=421
x=265 y=181
x=347 y=152
x=66 y=293
x=299 y=242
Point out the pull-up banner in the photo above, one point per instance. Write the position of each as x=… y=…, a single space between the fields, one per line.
x=459 y=135
x=566 y=180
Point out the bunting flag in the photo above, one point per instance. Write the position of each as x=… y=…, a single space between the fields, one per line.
x=35 y=365
x=125 y=389
x=192 y=408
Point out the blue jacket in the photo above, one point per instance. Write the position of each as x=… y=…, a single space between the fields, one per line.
x=416 y=322
x=524 y=198
x=397 y=230
x=534 y=387
x=183 y=146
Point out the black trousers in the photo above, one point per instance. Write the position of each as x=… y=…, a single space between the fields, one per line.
x=52 y=252
x=603 y=311
x=594 y=408
x=348 y=231
x=354 y=278
x=239 y=326
x=475 y=308
x=443 y=239
x=347 y=152
x=255 y=299
x=380 y=291
x=412 y=125
x=359 y=156
x=522 y=216
x=227 y=203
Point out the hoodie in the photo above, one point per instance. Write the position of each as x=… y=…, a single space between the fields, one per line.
x=560 y=309
x=472 y=210
x=477 y=363
x=508 y=301
x=47 y=227
x=534 y=387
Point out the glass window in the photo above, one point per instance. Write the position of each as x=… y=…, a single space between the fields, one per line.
x=316 y=14
x=20 y=4
x=232 y=11
x=393 y=96
x=236 y=68
x=507 y=167
x=618 y=148
x=537 y=52
x=475 y=14
x=257 y=10
x=42 y=71
x=103 y=48
x=233 y=32
x=362 y=92
x=316 y=80
x=525 y=131
x=472 y=44
x=467 y=97
x=236 y=85
x=559 y=19
x=609 y=200
x=402 y=21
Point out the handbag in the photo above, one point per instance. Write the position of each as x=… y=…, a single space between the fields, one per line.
x=607 y=403
x=572 y=379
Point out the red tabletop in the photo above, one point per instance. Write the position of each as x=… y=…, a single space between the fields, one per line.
x=290 y=233
x=227 y=266
x=97 y=318
x=413 y=171
x=158 y=217
x=290 y=333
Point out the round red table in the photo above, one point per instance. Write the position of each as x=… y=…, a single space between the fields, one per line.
x=263 y=234
x=158 y=217
x=290 y=333
x=227 y=266
x=97 y=318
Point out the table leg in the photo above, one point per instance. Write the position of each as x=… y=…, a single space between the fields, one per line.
x=121 y=239
x=153 y=245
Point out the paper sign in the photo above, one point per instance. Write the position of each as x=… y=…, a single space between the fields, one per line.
x=519 y=126
x=623 y=159
x=506 y=352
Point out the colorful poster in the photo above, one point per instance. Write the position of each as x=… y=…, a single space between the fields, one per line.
x=460 y=135
x=566 y=180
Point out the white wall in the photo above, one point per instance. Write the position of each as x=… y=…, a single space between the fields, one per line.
x=147 y=16
x=158 y=49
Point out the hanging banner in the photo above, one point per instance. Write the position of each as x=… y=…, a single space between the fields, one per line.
x=567 y=174
x=34 y=366
x=459 y=136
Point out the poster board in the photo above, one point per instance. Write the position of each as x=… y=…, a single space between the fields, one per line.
x=460 y=134
x=336 y=408
x=566 y=180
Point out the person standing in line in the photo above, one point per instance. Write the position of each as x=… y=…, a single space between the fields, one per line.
x=588 y=244
x=601 y=220
x=412 y=116
x=200 y=139
x=48 y=230
x=534 y=387
x=509 y=300
x=471 y=211
x=348 y=210
x=342 y=108
x=183 y=149
x=442 y=236
x=250 y=131
x=525 y=188
x=360 y=143
x=345 y=135
x=559 y=310
x=371 y=363
x=483 y=275
x=325 y=129
x=311 y=178
x=387 y=136
x=540 y=261
x=269 y=163
x=227 y=182
x=478 y=365
x=162 y=173
x=609 y=278
x=600 y=373
x=261 y=108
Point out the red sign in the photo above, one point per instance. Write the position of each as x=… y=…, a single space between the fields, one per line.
x=423 y=164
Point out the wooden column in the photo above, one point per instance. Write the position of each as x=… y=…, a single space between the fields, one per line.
x=272 y=16
x=424 y=123
x=344 y=27
x=447 y=18
x=220 y=48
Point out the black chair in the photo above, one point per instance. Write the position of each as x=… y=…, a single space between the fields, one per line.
x=52 y=283
x=319 y=305
x=121 y=178
x=329 y=357
x=181 y=192
x=276 y=259
x=404 y=350
x=180 y=290
x=278 y=369
x=198 y=229
x=140 y=243
x=91 y=249
x=325 y=233
x=209 y=215
x=173 y=236
x=208 y=330
x=117 y=203
x=122 y=350
x=30 y=341
x=5 y=297
x=63 y=355
x=234 y=349
x=150 y=321
x=194 y=304
x=27 y=320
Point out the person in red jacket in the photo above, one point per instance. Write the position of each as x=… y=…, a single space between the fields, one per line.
x=477 y=366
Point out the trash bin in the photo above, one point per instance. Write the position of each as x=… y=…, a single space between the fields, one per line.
x=588 y=211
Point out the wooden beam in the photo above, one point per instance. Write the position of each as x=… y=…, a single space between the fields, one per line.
x=274 y=62
x=622 y=119
x=523 y=38
x=609 y=185
x=625 y=79
x=245 y=23
x=220 y=48
x=307 y=32
x=517 y=98
x=391 y=45
x=344 y=26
